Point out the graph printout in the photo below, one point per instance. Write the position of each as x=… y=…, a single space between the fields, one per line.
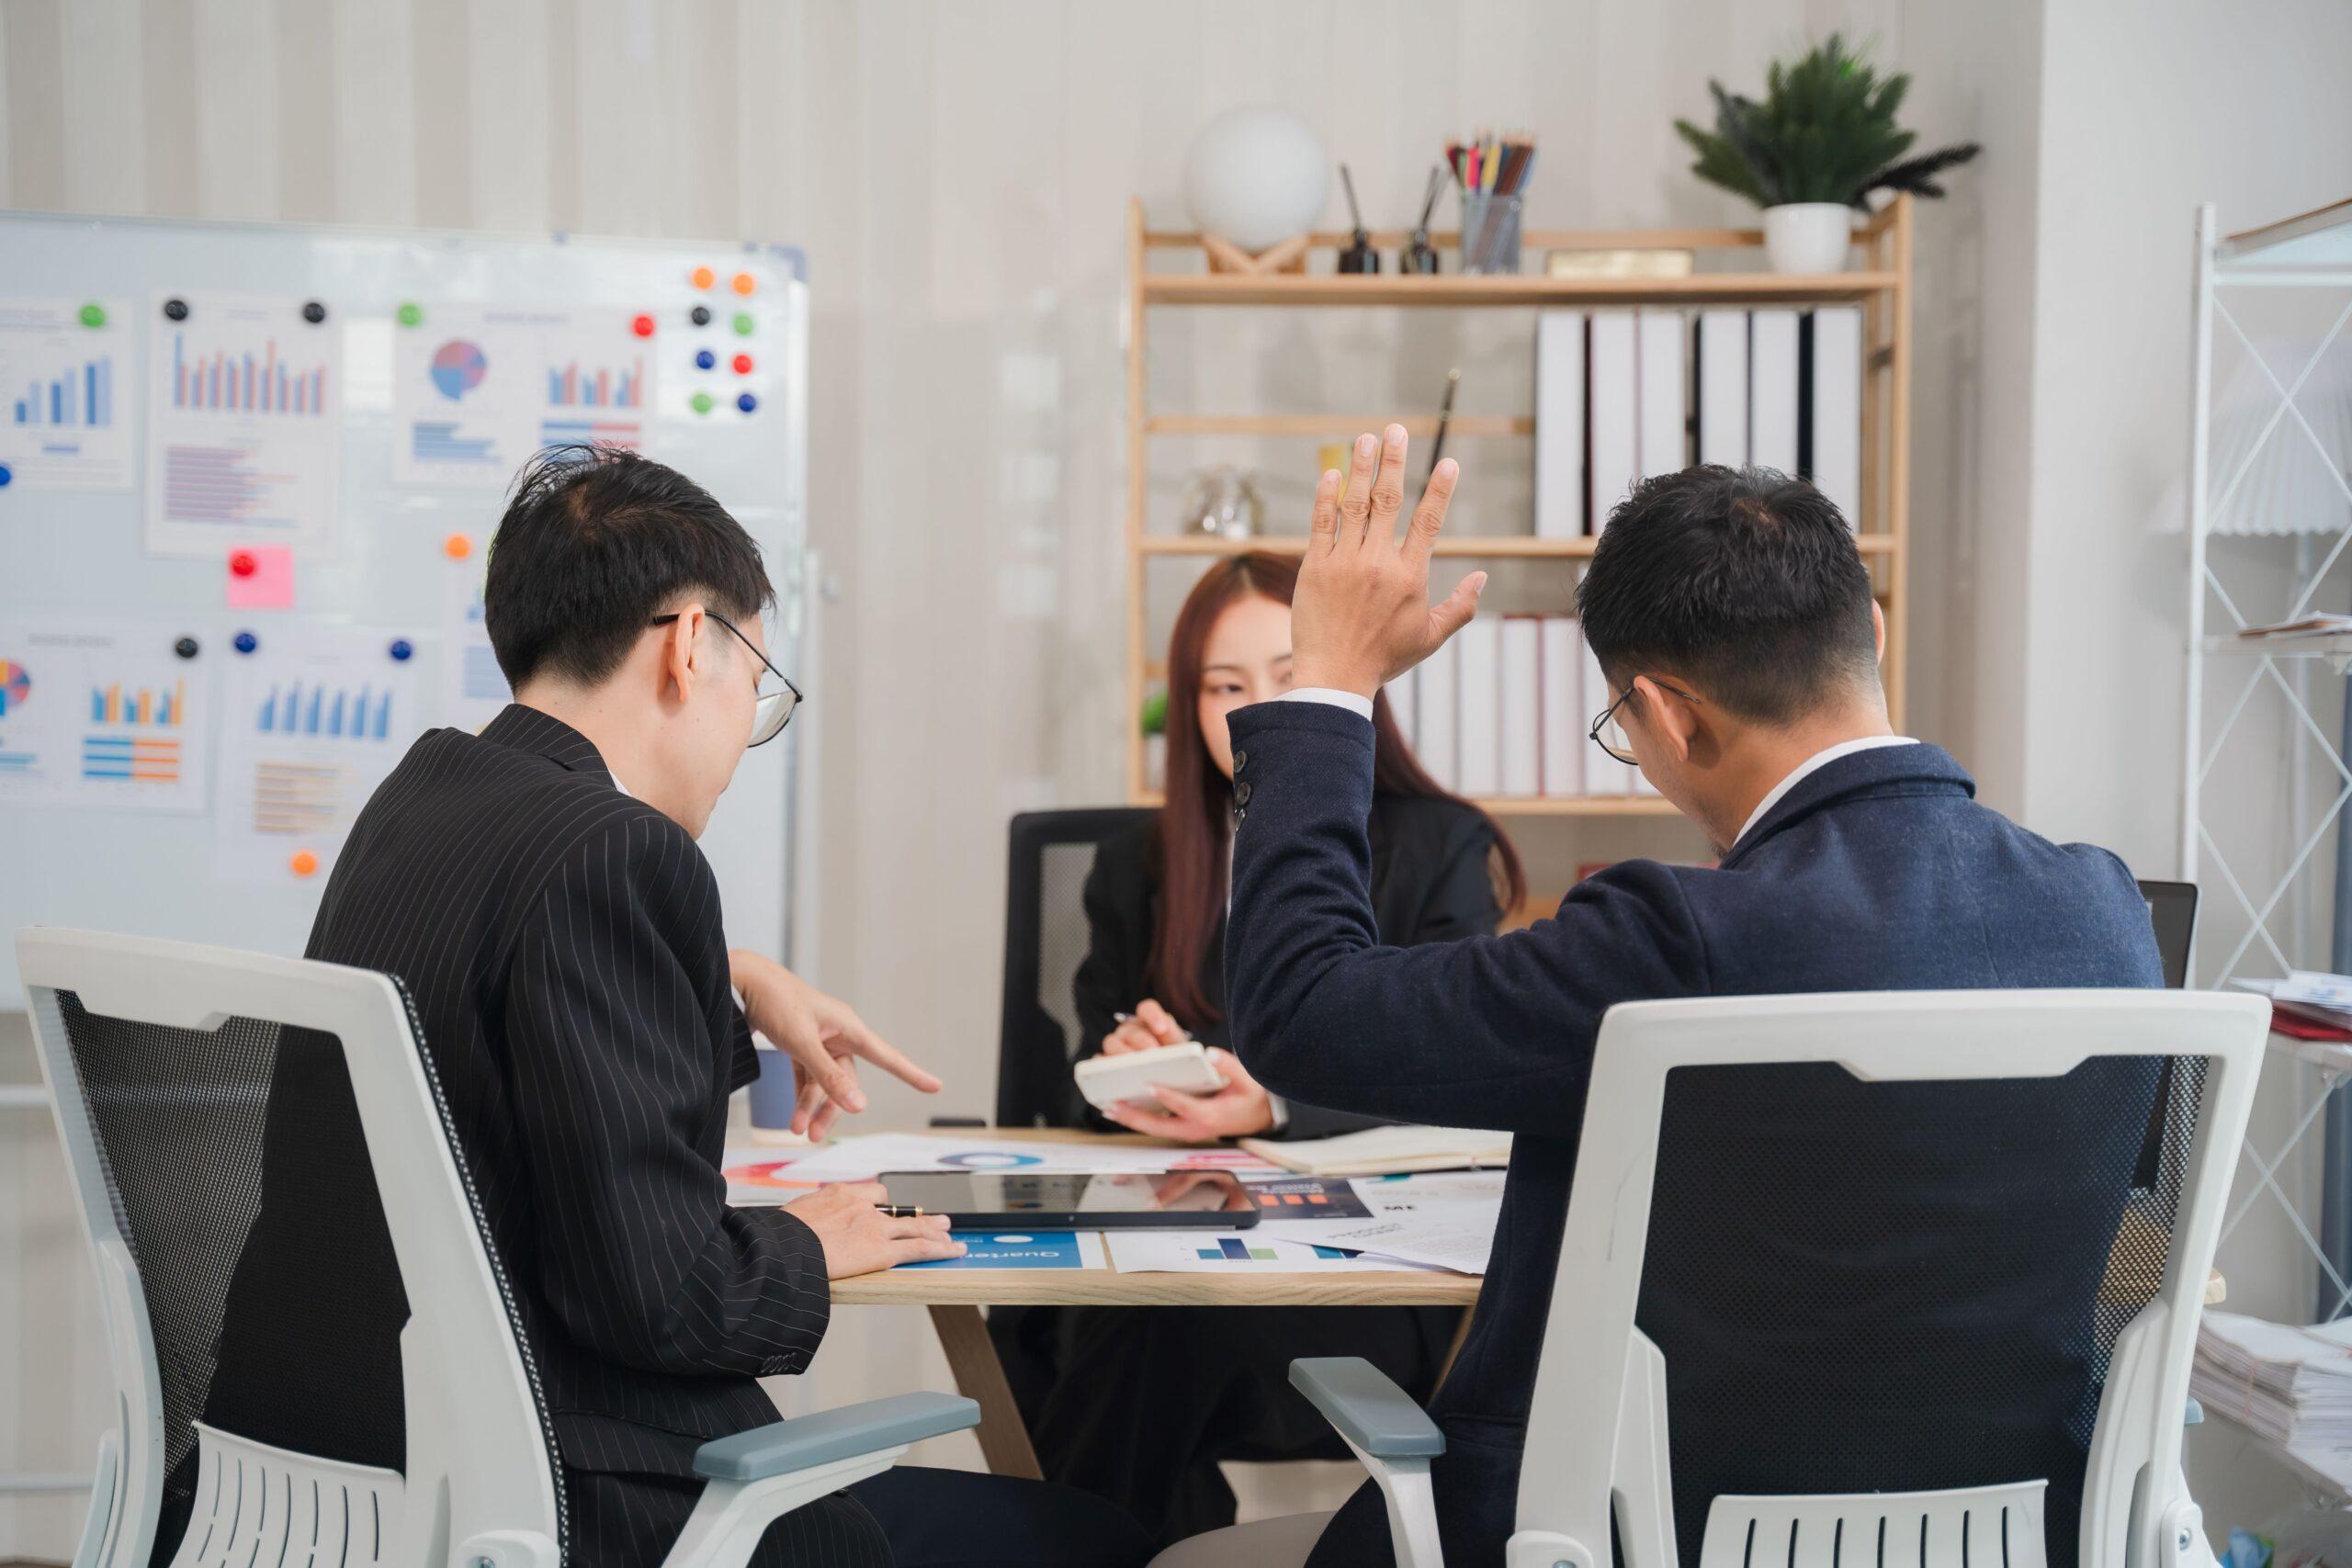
x=477 y=389
x=245 y=423
x=311 y=722
x=101 y=715
x=68 y=417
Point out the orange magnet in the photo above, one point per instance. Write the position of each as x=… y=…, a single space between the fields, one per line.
x=302 y=862
x=702 y=277
x=745 y=283
x=457 y=547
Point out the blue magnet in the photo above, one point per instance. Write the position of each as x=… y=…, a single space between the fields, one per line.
x=401 y=650
x=747 y=402
x=244 y=642
x=4 y=476
x=706 y=360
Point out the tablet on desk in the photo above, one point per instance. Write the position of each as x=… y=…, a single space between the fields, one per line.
x=1176 y=1200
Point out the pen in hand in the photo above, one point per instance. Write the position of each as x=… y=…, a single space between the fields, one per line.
x=1130 y=1018
x=899 y=1211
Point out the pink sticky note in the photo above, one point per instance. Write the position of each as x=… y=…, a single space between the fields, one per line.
x=261 y=577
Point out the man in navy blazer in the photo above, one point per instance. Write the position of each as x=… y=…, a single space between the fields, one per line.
x=1733 y=620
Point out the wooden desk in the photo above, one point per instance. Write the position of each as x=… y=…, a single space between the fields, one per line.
x=956 y=1295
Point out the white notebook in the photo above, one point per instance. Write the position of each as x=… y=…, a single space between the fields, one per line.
x=1386 y=1151
x=1838 y=407
x=1723 y=388
x=1561 y=677
x=1560 y=425
x=1478 y=706
x=1772 y=390
x=1615 y=452
x=1436 y=700
x=1522 y=706
x=1664 y=441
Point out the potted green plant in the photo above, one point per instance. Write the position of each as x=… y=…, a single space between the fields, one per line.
x=1812 y=151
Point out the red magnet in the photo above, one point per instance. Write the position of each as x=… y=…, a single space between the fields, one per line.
x=642 y=326
x=242 y=563
x=742 y=364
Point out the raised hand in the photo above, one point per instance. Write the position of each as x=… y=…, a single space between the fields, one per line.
x=1363 y=614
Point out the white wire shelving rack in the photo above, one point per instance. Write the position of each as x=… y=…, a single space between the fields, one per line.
x=2280 y=893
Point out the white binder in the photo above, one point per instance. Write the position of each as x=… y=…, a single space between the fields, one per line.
x=1522 y=706
x=1560 y=676
x=1723 y=388
x=1772 y=390
x=1436 y=693
x=1560 y=425
x=1479 y=706
x=1615 y=395
x=1664 y=394
x=1838 y=407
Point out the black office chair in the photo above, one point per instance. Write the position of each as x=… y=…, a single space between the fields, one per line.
x=1044 y=942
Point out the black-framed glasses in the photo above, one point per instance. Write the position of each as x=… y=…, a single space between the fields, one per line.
x=1610 y=735
x=773 y=709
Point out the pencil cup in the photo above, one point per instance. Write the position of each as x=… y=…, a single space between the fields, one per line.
x=773 y=1092
x=1489 y=231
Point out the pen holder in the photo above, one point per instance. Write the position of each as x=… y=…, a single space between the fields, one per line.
x=773 y=1092
x=1489 y=231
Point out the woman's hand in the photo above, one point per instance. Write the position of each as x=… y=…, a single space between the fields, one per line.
x=1242 y=1109
x=858 y=1238
x=1151 y=1027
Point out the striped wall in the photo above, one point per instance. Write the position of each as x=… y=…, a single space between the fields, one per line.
x=958 y=175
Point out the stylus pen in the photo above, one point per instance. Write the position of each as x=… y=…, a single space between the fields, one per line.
x=898 y=1211
x=1130 y=1018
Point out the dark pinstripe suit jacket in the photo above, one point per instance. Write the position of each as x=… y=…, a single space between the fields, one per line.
x=563 y=946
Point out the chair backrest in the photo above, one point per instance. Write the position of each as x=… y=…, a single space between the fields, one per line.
x=1044 y=941
x=1823 y=1090
x=159 y=1059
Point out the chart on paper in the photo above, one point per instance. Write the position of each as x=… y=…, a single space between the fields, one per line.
x=98 y=716
x=65 y=422
x=476 y=390
x=245 y=428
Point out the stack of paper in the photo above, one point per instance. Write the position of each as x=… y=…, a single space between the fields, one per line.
x=2291 y=1386
x=2320 y=1003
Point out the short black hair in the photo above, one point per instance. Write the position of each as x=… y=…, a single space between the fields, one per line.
x=597 y=541
x=1745 y=581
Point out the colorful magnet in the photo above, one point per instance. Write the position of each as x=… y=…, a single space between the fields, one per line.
x=699 y=315
x=642 y=326
x=244 y=642
x=303 y=863
x=242 y=563
x=701 y=402
x=93 y=315
x=6 y=474
x=410 y=314
x=702 y=277
x=706 y=360
x=188 y=648
x=742 y=364
x=313 y=312
x=743 y=323
x=402 y=650
x=744 y=283
x=747 y=402
x=176 y=309
x=457 y=547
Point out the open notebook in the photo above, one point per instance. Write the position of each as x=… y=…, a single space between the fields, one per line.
x=1385 y=1151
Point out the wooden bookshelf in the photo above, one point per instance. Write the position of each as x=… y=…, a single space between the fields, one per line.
x=1727 y=275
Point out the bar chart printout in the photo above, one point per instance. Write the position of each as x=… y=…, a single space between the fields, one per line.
x=65 y=421
x=245 y=415
x=478 y=388
x=311 y=723
x=99 y=716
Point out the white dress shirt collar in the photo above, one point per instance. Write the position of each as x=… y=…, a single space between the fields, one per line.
x=1812 y=764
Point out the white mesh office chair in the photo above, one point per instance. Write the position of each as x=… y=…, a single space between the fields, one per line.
x=1597 y=1441
x=158 y=1057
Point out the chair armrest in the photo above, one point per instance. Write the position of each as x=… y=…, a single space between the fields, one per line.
x=1366 y=1409
x=806 y=1441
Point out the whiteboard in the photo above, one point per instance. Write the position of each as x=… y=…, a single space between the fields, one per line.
x=81 y=558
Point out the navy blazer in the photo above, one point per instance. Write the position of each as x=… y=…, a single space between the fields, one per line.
x=1802 y=1354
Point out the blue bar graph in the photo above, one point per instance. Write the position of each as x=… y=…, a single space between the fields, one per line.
x=335 y=712
x=79 y=398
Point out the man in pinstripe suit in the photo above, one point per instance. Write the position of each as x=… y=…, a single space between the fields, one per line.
x=538 y=890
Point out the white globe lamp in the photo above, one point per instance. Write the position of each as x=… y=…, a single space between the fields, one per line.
x=1256 y=177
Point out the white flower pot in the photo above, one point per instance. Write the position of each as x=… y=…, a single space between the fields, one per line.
x=1808 y=236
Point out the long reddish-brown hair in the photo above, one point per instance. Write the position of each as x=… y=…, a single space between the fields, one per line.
x=1189 y=840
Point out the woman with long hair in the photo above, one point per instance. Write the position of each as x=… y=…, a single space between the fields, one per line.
x=1145 y=1402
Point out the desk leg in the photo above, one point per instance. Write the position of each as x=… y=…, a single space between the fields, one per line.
x=1453 y=1351
x=979 y=1377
